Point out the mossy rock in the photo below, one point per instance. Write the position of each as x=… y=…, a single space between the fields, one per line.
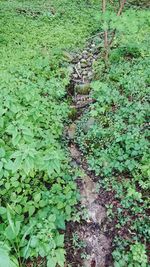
x=72 y=113
x=84 y=88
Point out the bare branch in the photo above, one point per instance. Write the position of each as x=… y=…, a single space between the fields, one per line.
x=118 y=14
x=121 y=8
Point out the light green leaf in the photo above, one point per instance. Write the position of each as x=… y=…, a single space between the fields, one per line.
x=9 y=233
x=60 y=256
x=11 y=223
x=59 y=240
x=1 y=165
x=2 y=210
x=51 y=262
x=2 y=152
x=4 y=258
x=31 y=210
x=34 y=242
x=37 y=197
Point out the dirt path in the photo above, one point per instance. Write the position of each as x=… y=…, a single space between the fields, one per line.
x=91 y=231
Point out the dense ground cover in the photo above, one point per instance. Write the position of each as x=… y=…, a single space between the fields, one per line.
x=37 y=192
x=115 y=136
x=37 y=189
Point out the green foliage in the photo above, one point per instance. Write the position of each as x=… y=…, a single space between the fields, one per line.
x=135 y=257
x=37 y=194
x=117 y=144
x=5 y=259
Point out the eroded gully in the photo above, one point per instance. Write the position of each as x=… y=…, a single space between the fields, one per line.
x=92 y=231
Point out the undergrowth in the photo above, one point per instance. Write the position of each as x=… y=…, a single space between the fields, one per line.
x=37 y=189
x=114 y=134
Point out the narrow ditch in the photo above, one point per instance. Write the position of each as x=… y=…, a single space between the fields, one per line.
x=92 y=230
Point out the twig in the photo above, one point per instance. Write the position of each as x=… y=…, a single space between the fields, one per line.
x=118 y=14
x=105 y=33
x=121 y=8
x=77 y=72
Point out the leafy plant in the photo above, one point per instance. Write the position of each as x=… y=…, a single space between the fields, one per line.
x=136 y=257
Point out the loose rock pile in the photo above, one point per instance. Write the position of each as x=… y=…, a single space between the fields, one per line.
x=81 y=65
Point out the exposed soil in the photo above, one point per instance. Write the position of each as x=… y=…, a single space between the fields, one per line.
x=92 y=231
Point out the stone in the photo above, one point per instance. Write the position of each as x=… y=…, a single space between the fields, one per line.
x=97 y=213
x=74 y=164
x=88 y=191
x=75 y=75
x=90 y=74
x=68 y=56
x=78 y=65
x=83 y=60
x=84 y=72
x=83 y=64
x=93 y=45
x=75 y=153
x=72 y=131
x=99 y=248
x=83 y=88
x=85 y=52
x=85 y=56
x=88 y=124
x=89 y=63
x=85 y=80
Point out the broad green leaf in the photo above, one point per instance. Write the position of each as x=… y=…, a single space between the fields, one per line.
x=31 y=210
x=9 y=233
x=52 y=261
x=11 y=223
x=1 y=166
x=34 y=242
x=4 y=258
x=59 y=240
x=60 y=256
x=37 y=197
x=52 y=218
x=2 y=210
x=2 y=152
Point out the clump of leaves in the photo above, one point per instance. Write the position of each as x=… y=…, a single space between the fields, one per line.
x=135 y=257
